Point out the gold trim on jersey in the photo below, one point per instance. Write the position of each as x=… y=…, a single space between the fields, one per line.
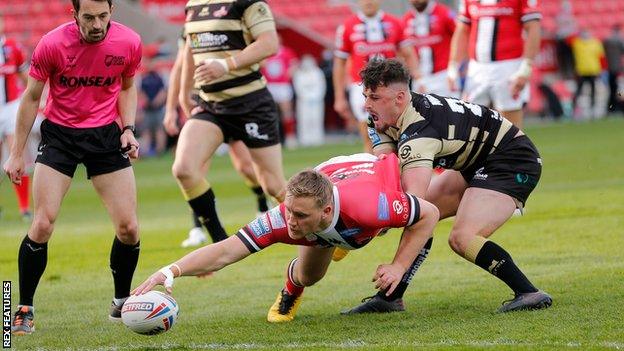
x=233 y=92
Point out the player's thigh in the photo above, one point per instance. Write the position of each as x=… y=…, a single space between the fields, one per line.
x=445 y=192
x=481 y=212
x=268 y=164
x=197 y=143
x=118 y=193
x=312 y=263
x=48 y=189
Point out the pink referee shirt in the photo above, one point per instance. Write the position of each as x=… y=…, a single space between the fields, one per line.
x=85 y=78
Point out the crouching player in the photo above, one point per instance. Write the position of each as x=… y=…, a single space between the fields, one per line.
x=344 y=202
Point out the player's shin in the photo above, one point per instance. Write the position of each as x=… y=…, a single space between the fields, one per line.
x=123 y=261
x=261 y=198
x=409 y=274
x=201 y=198
x=499 y=263
x=32 y=261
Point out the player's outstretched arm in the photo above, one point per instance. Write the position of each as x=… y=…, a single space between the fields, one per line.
x=414 y=237
x=207 y=259
x=173 y=91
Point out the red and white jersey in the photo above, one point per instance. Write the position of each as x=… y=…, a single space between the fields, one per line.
x=12 y=61
x=367 y=199
x=362 y=38
x=85 y=78
x=496 y=27
x=276 y=69
x=430 y=32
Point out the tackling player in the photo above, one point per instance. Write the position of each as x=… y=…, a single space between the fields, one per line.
x=492 y=167
x=345 y=202
x=90 y=65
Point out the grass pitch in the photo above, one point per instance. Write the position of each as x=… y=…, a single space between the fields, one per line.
x=569 y=243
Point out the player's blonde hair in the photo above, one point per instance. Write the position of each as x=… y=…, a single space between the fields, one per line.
x=310 y=183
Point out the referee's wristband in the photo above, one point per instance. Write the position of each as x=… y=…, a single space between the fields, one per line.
x=129 y=127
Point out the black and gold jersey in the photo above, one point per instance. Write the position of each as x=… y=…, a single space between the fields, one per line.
x=442 y=131
x=216 y=29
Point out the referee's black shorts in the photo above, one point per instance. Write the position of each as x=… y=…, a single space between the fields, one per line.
x=98 y=148
x=252 y=118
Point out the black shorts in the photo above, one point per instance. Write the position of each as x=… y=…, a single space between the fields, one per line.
x=63 y=148
x=252 y=118
x=514 y=169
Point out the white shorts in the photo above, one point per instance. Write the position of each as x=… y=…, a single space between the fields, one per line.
x=489 y=83
x=8 y=116
x=281 y=92
x=357 y=101
x=436 y=83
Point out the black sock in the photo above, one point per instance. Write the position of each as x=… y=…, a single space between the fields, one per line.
x=123 y=261
x=263 y=205
x=409 y=274
x=31 y=263
x=205 y=208
x=196 y=222
x=498 y=262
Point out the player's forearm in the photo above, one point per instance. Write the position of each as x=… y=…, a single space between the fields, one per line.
x=532 y=41
x=26 y=115
x=338 y=78
x=459 y=44
x=264 y=46
x=212 y=258
x=415 y=236
x=173 y=90
x=127 y=104
x=411 y=60
x=186 y=81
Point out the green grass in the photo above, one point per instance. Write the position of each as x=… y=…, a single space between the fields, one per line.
x=569 y=243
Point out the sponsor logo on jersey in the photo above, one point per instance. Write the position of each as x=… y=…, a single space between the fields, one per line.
x=112 y=60
x=397 y=206
x=479 y=175
x=207 y=40
x=373 y=136
x=259 y=227
x=350 y=232
x=89 y=81
x=383 y=210
x=406 y=152
x=275 y=217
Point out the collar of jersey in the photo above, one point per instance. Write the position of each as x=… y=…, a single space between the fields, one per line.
x=336 y=201
x=378 y=16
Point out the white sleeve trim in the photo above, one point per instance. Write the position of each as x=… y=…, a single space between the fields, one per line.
x=249 y=240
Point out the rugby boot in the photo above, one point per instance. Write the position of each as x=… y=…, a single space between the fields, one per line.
x=23 y=321
x=196 y=237
x=115 y=312
x=339 y=254
x=375 y=304
x=527 y=301
x=284 y=308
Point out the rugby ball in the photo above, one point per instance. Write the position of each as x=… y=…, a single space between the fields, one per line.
x=151 y=313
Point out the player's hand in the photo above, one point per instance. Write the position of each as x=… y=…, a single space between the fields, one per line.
x=14 y=169
x=157 y=278
x=170 y=123
x=517 y=84
x=387 y=277
x=129 y=145
x=342 y=108
x=209 y=70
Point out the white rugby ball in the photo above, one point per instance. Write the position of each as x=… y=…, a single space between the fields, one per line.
x=151 y=313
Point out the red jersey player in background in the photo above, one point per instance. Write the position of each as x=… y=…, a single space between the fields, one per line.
x=345 y=202
x=277 y=71
x=429 y=26
x=368 y=34
x=13 y=77
x=501 y=39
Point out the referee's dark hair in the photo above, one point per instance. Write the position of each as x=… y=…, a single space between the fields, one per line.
x=383 y=72
x=76 y=4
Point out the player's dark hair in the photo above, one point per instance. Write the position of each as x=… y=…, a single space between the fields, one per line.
x=310 y=183
x=76 y=4
x=382 y=72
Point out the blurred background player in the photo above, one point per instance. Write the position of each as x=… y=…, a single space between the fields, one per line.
x=153 y=95
x=429 y=26
x=370 y=33
x=310 y=86
x=588 y=55
x=234 y=103
x=501 y=39
x=13 y=78
x=278 y=70
x=239 y=154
